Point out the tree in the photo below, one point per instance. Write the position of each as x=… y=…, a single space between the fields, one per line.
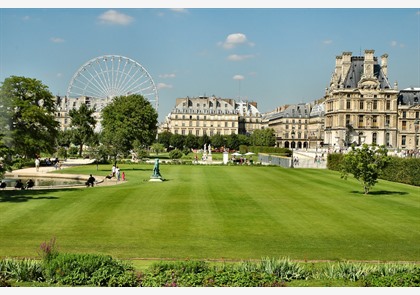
x=5 y=158
x=202 y=140
x=263 y=137
x=177 y=141
x=217 y=140
x=165 y=138
x=232 y=141
x=27 y=114
x=83 y=125
x=366 y=164
x=157 y=148
x=191 y=141
x=126 y=119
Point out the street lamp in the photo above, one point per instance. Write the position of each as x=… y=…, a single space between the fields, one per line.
x=292 y=144
x=416 y=130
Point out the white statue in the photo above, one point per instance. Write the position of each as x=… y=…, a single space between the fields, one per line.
x=209 y=149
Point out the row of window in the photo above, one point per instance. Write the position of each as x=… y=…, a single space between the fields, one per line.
x=204 y=132
x=204 y=124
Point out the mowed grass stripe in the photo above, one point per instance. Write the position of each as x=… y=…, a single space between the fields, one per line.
x=234 y=212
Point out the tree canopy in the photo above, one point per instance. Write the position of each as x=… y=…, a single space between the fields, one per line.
x=27 y=112
x=366 y=164
x=83 y=125
x=263 y=137
x=126 y=119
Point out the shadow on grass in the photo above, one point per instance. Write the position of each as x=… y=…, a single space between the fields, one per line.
x=25 y=196
x=380 y=193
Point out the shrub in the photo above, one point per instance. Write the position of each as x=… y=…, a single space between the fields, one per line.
x=89 y=270
x=334 y=161
x=284 y=269
x=403 y=170
x=175 y=154
x=25 y=270
x=399 y=279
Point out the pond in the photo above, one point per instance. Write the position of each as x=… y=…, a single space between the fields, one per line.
x=49 y=182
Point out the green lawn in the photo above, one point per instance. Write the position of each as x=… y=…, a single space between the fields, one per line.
x=217 y=212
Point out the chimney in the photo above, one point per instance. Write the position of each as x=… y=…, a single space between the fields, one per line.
x=346 y=63
x=384 y=64
x=369 y=63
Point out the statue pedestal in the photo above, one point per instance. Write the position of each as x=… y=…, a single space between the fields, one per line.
x=156 y=178
x=209 y=158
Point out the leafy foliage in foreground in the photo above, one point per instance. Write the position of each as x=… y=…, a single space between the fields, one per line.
x=101 y=270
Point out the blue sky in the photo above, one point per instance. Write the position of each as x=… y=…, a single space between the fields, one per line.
x=273 y=56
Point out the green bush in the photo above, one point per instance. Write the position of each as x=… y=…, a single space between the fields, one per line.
x=400 y=279
x=88 y=270
x=175 y=154
x=25 y=270
x=403 y=170
x=20 y=163
x=200 y=274
x=334 y=161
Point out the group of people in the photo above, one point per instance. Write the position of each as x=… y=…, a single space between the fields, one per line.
x=20 y=185
x=116 y=172
x=48 y=162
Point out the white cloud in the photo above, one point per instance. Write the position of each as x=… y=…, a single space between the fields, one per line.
x=180 y=10
x=236 y=57
x=56 y=40
x=115 y=18
x=396 y=44
x=167 y=76
x=163 y=85
x=238 y=77
x=327 y=42
x=234 y=40
x=26 y=18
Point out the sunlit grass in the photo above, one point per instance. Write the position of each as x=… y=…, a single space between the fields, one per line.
x=217 y=212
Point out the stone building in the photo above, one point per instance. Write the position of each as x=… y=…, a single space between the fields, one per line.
x=212 y=115
x=65 y=104
x=361 y=106
x=297 y=126
x=408 y=118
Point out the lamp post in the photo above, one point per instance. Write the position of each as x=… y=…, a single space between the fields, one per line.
x=293 y=138
x=416 y=130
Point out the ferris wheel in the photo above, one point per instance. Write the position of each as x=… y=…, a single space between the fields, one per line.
x=105 y=77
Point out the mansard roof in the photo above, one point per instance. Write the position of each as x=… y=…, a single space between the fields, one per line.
x=355 y=73
x=297 y=110
x=409 y=96
x=318 y=110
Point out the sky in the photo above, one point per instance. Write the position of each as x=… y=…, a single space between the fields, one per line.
x=271 y=55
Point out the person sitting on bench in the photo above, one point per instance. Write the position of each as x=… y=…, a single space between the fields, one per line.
x=3 y=185
x=30 y=184
x=90 y=181
x=19 y=184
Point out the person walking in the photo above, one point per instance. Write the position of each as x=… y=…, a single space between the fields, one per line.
x=123 y=176
x=113 y=170
x=117 y=173
x=37 y=164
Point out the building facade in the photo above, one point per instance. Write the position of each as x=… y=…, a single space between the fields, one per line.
x=361 y=105
x=297 y=126
x=408 y=118
x=212 y=115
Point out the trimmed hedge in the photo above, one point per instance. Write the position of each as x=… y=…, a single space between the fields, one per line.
x=402 y=170
x=266 y=150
